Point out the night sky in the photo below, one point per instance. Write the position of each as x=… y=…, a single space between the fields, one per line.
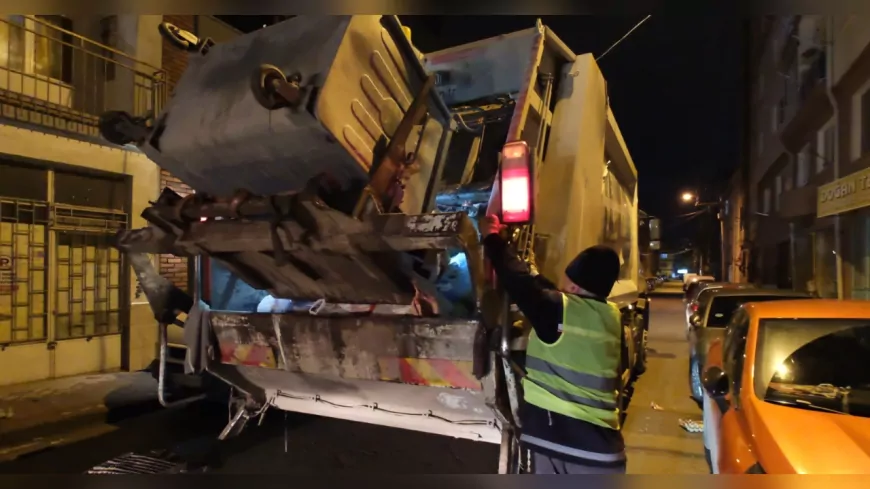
x=675 y=89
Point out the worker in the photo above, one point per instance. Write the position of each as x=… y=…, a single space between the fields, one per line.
x=570 y=418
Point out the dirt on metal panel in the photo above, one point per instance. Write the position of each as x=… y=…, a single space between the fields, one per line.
x=423 y=351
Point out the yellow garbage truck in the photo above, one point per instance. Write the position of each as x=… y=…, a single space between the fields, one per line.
x=339 y=174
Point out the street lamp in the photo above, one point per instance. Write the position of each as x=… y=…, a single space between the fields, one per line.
x=692 y=197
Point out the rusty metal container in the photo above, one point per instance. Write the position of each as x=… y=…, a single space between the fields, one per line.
x=357 y=84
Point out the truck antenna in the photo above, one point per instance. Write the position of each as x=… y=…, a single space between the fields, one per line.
x=623 y=37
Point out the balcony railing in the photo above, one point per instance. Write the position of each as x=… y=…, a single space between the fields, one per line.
x=60 y=80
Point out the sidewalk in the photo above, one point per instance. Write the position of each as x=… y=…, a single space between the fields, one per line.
x=38 y=414
x=670 y=288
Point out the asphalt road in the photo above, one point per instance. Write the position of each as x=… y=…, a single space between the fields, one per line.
x=656 y=442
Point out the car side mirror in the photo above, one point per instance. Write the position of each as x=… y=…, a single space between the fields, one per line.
x=716 y=382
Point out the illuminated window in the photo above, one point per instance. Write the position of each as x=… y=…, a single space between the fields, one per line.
x=36 y=45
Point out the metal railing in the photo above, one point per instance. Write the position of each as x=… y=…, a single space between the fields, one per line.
x=53 y=77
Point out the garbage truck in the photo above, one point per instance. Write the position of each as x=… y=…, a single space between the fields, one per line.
x=338 y=176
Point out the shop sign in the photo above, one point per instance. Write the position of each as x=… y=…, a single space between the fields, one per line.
x=845 y=194
x=7 y=275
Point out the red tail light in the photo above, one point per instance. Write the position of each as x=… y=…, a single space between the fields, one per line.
x=516 y=183
x=695 y=307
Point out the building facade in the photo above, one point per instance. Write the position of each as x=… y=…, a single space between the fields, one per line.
x=806 y=213
x=733 y=215
x=69 y=303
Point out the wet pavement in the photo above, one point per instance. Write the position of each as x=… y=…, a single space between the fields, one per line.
x=656 y=443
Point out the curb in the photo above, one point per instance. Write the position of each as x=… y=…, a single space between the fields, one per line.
x=21 y=442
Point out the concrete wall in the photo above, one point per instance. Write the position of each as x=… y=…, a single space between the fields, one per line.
x=78 y=356
x=137 y=36
x=851 y=36
x=851 y=78
x=770 y=87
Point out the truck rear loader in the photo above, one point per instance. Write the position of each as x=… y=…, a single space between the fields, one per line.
x=338 y=176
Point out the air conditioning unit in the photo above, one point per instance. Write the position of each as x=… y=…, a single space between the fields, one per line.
x=811 y=37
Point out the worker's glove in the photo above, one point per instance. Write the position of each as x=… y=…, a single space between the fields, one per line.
x=490 y=225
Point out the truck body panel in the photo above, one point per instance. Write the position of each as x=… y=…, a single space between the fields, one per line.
x=459 y=413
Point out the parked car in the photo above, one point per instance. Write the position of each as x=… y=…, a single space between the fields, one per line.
x=691 y=287
x=693 y=302
x=713 y=314
x=788 y=390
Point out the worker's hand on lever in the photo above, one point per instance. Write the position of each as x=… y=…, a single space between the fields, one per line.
x=490 y=224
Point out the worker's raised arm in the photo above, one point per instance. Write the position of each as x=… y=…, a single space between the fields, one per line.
x=536 y=298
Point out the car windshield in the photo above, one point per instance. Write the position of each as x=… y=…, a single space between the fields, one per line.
x=705 y=294
x=723 y=307
x=693 y=288
x=818 y=364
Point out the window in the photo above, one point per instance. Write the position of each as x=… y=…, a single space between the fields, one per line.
x=12 y=36
x=816 y=360
x=734 y=351
x=778 y=186
x=803 y=167
x=90 y=191
x=864 y=125
x=23 y=182
x=34 y=46
x=109 y=37
x=760 y=93
x=825 y=147
x=780 y=113
x=765 y=201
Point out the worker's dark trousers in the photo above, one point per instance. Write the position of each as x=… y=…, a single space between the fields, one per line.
x=547 y=464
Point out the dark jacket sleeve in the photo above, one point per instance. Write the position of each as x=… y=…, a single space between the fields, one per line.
x=535 y=296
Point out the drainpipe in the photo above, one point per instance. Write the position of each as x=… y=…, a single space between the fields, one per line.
x=829 y=82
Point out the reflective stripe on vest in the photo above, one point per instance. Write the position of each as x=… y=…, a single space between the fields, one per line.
x=578 y=375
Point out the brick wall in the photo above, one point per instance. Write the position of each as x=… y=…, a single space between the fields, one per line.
x=174 y=64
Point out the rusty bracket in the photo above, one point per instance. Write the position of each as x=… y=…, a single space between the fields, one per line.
x=388 y=170
x=274 y=90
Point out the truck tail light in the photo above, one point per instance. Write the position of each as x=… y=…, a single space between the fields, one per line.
x=516 y=183
x=694 y=307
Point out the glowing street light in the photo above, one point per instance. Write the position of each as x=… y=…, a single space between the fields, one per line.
x=688 y=197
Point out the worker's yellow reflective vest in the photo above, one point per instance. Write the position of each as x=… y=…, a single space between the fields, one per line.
x=578 y=375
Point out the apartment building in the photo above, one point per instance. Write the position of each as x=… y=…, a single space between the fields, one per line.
x=68 y=301
x=806 y=220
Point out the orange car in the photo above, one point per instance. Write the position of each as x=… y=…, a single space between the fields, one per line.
x=788 y=390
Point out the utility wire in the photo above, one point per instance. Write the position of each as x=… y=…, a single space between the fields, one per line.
x=690 y=214
x=623 y=37
x=691 y=217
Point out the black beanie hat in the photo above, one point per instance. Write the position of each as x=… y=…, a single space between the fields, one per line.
x=595 y=270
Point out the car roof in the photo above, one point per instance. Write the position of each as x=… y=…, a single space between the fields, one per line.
x=716 y=285
x=811 y=309
x=743 y=291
